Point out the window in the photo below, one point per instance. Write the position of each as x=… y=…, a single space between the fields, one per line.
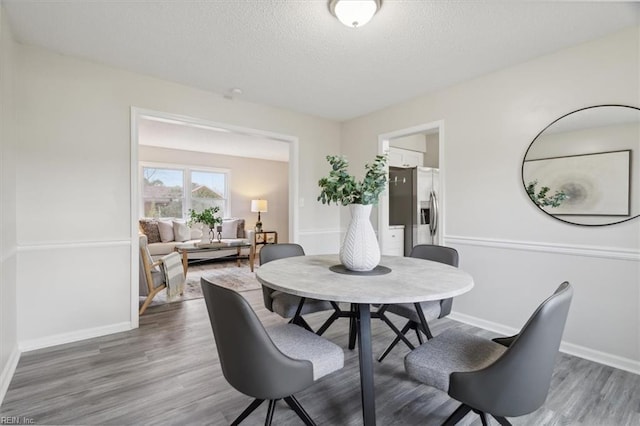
x=208 y=189
x=164 y=194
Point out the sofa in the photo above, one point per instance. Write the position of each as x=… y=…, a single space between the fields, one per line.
x=164 y=234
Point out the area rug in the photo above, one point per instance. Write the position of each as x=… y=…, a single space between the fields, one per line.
x=226 y=274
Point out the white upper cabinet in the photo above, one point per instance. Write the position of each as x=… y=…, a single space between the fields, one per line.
x=399 y=157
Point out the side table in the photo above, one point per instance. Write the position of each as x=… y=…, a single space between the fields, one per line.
x=261 y=238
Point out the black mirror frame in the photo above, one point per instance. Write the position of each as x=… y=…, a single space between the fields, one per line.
x=524 y=185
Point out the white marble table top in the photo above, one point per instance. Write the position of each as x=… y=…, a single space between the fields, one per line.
x=410 y=280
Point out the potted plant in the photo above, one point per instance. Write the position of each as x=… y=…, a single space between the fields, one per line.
x=206 y=217
x=359 y=250
x=342 y=188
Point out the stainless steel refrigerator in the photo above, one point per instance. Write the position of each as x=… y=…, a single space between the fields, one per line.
x=413 y=202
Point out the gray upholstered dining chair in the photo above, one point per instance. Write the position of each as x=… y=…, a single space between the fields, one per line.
x=503 y=377
x=287 y=305
x=265 y=365
x=433 y=309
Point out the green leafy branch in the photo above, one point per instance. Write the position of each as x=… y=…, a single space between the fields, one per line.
x=206 y=216
x=541 y=199
x=342 y=188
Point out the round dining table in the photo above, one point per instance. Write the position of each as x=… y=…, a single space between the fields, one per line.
x=395 y=280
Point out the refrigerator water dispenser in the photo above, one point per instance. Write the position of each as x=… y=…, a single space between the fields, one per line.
x=424 y=216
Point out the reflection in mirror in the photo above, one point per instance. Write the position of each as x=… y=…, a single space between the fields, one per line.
x=584 y=167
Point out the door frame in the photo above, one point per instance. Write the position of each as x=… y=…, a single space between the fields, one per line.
x=383 y=204
x=140 y=113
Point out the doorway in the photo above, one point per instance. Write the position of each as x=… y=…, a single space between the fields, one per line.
x=238 y=135
x=421 y=146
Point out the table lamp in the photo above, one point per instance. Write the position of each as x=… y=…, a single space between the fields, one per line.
x=258 y=206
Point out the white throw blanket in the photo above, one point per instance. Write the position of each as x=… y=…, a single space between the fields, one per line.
x=174 y=274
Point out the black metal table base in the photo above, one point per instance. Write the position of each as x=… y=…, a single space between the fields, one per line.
x=360 y=330
x=365 y=354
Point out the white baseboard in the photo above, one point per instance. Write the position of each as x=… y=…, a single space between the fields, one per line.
x=484 y=324
x=601 y=357
x=75 y=336
x=8 y=371
x=568 y=348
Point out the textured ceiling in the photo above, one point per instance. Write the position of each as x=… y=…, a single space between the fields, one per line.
x=296 y=55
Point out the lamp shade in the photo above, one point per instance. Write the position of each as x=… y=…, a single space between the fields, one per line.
x=354 y=13
x=258 y=206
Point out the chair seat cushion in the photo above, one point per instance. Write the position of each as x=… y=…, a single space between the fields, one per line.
x=298 y=343
x=452 y=350
x=431 y=310
x=285 y=305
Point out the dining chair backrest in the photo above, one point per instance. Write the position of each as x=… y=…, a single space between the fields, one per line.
x=272 y=252
x=250 y=361
x=442 y=254
x=517 y=383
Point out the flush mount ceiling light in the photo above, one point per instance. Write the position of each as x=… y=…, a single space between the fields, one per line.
x=354 y=13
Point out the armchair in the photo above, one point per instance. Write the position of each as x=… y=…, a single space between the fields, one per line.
x=152 y=276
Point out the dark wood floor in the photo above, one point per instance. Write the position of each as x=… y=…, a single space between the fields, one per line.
x=167 y=372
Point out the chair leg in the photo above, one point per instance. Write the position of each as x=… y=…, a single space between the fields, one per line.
x=250 y=409
x=502 y=421
x=337 y=313
x=483 y=418
x=299 y=321
x=270 y=411
x=352 y=327
x=150 y=297
x=389 y=348
x=457 y=415
x=417 y=327
x=297 y=317
x=380 y=314
x=423 y=321
x=295 y=406
x=393 y=344
x=334 y=316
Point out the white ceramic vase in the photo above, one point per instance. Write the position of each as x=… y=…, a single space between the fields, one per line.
x=360 y=250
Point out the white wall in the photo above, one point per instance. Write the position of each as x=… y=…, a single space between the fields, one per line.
x=516 y=253
x=249 y=178
x=8 y=311
x=73 y=185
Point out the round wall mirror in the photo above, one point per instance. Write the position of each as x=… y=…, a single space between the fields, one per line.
x=584 y=167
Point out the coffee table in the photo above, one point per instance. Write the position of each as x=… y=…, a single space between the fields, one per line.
x=187 y=248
